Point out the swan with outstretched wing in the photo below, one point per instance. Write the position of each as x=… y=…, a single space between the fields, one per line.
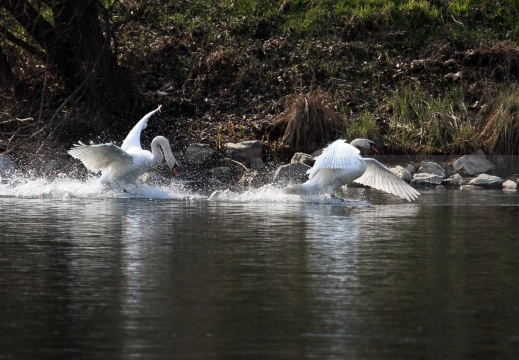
x=341 y=164
x=126 y=163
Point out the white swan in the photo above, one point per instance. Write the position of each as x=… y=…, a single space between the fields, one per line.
x=126 y=163
x=341 y=164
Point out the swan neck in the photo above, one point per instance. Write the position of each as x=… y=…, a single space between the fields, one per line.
x=160 y=149
x=363 y=143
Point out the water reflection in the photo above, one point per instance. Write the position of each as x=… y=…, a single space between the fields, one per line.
x=201 y=279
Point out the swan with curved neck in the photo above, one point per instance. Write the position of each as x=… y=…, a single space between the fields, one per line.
x=341 y=164
x=126 y=163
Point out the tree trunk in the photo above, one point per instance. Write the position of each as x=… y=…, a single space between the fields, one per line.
x=8 y=79
x=75 y=44
x=79 y=30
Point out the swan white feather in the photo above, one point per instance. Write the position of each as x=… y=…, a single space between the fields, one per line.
x=128 y=162
x=379 y=177
x=133 y=139
x=341 y=164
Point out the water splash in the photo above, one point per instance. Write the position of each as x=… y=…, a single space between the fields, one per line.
x=64 y=187
x=269 y=194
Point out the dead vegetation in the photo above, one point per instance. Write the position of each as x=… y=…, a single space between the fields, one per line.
x=501 y=60
x=389 y=82
x=309 y=122
x=17 y=132
x=500 y=131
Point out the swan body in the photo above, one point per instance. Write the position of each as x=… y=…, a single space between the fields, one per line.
x=341 y=164
x=126 y=163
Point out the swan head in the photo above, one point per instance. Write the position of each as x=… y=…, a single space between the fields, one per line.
x=366 y=144
x=163 y=144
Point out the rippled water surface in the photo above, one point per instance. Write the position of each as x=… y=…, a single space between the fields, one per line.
x=239 y=276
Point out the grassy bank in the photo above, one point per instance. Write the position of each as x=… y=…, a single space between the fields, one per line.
x=432 y=77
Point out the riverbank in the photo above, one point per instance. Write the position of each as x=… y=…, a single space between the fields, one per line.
x=417 y=78
x=249 y=165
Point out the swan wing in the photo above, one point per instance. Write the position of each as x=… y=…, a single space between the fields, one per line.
x=380 y=177
x=100 y=157
x=337 y=155
x=133 y=139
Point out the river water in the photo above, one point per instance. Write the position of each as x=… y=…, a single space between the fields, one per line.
x=88 y=273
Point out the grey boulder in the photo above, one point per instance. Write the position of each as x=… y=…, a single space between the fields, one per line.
x=487 y=181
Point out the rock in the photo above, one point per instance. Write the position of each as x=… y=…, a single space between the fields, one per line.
x=502 y=165
x=431 y=168
x=411 y=169
x=197 y=154
x=454 y=180
x=237 y=168
x=6 y=165
x=487 y=181
x=244 y=151
x=473 y=164
x=317 y=153
x=302 y=158
x=253 y=179
x=402 y=173
x=427 y=179
x=295 y=172
x=257 y=163
x=510 y=185
x=223 y=174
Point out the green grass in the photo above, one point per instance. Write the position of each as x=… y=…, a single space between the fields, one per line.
x=426 y=116
x=252 y=55
x=363 y=127
x=423 y=124
x=500 y=133
x=310 y=17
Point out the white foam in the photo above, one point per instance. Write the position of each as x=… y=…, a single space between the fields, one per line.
x=269 y=194
x=64 y=187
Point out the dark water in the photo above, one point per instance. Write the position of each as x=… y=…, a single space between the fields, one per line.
x=180 y=279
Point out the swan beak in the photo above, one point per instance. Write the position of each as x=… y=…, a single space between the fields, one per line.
x=374 y=148
x=175 y=170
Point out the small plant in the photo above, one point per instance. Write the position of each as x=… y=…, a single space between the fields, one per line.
x=241 y=127
x=230 y=130
x=219 y=138
x=266 y=138
x=275 y=150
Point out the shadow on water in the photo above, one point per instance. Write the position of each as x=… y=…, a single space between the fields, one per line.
x=237 y=278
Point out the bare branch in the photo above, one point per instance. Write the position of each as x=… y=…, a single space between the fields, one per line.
x=28 y=17
x=24 y=45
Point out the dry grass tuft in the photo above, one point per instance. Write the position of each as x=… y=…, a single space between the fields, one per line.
x=309 y=122
x=501 y=131
x=500 y=134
